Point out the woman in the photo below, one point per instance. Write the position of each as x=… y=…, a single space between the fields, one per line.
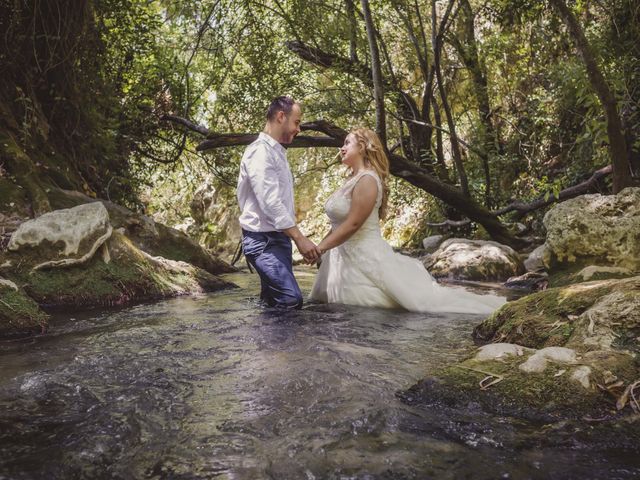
x=358 y=266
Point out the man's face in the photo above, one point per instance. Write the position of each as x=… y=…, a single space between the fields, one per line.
x=291 y=123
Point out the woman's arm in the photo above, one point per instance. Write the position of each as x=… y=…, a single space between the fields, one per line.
x=363 y=200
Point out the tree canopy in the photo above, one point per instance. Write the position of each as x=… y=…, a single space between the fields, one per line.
x=497 y=108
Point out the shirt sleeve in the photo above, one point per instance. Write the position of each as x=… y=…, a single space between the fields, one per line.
x=263 y=177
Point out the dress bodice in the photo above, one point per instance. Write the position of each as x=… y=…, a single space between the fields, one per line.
x=339 y=203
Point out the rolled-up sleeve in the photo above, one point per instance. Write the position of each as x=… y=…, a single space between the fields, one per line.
x=263 y=176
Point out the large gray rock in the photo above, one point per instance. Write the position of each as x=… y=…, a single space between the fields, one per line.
x=64 y=237
x=534 y=261
x=216 y=214
x=474 y=260
x=152 y=237
x=431 y=244
x=598 y=229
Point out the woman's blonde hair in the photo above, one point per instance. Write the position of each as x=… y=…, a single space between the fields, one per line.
x=374 y=156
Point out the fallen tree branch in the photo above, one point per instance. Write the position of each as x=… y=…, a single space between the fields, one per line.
x=450 y=223
x=233 y=140
x=566 y=194
x=186 y=123
x=399 y=166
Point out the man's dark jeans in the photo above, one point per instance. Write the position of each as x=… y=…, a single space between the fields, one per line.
x=271 y=255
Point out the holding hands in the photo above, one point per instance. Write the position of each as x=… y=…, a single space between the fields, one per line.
x=309 y=250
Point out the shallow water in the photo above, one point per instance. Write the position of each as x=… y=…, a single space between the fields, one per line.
x=216 y=387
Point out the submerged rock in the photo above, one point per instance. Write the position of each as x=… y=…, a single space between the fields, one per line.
x=474 y=260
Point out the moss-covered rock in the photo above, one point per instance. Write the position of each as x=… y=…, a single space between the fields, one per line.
x=122 y=274
x=19 y=314
x=549 y=318
x=501 y=387
x=154 y=238
x=595 y=229
x=565 y=351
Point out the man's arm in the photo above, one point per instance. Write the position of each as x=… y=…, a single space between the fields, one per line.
x=263 y=178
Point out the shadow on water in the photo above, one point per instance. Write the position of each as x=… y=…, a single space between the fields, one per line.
x=213 y=386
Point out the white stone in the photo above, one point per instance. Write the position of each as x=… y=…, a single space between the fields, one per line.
x=538 y=362
x=69 y=226
x=477 y=260
x=496 y=351
x=582 y=375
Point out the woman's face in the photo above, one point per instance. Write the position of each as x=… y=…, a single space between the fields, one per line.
x=350 y=151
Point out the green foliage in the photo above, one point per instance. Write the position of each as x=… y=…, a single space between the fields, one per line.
x=113 y=67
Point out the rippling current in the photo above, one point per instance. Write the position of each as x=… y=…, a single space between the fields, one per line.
x=216 y=387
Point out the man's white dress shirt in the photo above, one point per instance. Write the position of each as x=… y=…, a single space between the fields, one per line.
x=265 y=187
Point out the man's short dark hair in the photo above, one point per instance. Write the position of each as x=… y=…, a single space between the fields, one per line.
x=283 y=103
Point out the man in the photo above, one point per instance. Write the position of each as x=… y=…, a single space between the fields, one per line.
x=267 y=218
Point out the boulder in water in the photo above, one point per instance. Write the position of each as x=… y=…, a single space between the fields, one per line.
x=474 y=260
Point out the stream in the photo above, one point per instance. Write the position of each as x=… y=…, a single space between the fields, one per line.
x=214 y=386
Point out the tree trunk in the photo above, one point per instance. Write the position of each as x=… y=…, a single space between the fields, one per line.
x=378 y=90
x=617 y=142
x=455 y=146
x=468 y=51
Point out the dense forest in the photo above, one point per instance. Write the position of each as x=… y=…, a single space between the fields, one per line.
x=491 y=110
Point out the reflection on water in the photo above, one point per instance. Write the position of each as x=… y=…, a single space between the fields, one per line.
x=215 y=387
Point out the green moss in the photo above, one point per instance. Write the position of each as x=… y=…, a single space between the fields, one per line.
x=541 y=319
x=19 y=314
x=129 y=275
x=518 y=392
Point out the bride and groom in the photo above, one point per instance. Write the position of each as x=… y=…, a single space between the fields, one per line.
x=358 y=266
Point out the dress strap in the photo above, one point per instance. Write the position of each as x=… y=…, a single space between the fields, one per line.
x=354 y=180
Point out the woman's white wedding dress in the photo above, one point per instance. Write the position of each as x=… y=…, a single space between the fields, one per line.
x=366 y=271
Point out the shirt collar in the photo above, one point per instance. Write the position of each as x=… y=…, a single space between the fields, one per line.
x=272 y=142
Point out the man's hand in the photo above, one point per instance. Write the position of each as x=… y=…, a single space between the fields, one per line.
x=308 y=249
